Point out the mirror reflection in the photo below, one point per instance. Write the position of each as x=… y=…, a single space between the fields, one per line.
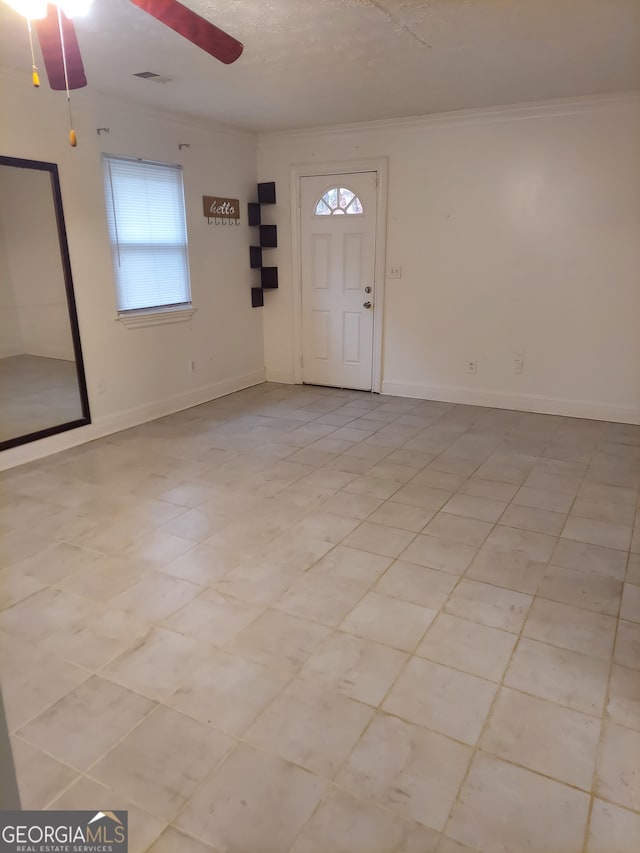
x=42 y=386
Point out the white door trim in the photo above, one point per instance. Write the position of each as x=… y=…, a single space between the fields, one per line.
x=342 y=167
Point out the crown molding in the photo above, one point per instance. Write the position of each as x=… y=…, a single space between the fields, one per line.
x=485 y=115
x=138 y=109
x=96 y=102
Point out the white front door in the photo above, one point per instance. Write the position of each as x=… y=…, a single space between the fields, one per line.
x=338 y=247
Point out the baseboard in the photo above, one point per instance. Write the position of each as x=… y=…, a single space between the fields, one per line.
x=9 y=352
x=186 y=400
x=517 y=402
x=285 y=377
x=59 y=354
x=123 y=420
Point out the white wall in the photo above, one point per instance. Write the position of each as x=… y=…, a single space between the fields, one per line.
x=10 y=333
x=517 y=229
x=137 y=374
x=32 y=249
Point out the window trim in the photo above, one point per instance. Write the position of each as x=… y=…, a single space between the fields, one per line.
x=159 y=316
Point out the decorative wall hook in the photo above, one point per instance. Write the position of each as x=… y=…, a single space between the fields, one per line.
x=223 y=211
x=101 y=130
x=182 y=145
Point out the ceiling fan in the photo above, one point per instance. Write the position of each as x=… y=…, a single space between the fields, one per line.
x=59 y=43
x=56 y=34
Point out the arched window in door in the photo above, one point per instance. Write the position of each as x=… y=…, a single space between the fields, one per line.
x=338 y=200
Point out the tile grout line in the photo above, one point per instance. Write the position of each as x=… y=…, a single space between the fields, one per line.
x=373 y=585
x=603 y=723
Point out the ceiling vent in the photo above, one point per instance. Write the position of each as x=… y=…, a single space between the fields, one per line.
x=156 y=78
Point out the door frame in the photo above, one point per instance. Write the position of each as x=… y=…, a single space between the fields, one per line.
x=380 y=165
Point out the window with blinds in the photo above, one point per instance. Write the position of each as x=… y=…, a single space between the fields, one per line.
x=148 y=232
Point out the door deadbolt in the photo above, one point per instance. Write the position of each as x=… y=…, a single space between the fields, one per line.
x=367 y=290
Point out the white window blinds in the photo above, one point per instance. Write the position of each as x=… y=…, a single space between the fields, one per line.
x=148 y=232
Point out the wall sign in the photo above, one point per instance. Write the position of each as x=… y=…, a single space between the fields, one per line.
x=218 y=208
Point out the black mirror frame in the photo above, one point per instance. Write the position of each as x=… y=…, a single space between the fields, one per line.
x=52 y=169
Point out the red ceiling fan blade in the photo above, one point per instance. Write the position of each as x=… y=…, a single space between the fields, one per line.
x=48 y=30
x=197 y=30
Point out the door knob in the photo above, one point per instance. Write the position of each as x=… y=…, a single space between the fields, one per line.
x=366 y=304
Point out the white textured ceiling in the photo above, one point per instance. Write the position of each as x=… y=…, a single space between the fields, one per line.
x=316 y=62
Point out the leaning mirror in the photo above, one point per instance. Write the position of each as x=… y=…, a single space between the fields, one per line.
x=42 y=384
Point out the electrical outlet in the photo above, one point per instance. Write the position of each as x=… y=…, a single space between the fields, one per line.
x=102 y=385
x=472 y=367
x=395 y=271
x=192 y=366
x=518 y=362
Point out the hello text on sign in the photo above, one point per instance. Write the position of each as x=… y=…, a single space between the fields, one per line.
x=216 y=207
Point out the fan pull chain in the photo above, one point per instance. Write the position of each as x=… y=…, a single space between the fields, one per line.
x=35 y=77
x=73 y=139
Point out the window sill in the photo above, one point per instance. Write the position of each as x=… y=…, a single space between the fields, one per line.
x=155 y=317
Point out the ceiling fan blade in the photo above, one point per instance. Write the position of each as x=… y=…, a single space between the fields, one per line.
x=197 y=30
x=48 y=30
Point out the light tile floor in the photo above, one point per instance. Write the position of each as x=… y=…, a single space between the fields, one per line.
x=309 y=620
